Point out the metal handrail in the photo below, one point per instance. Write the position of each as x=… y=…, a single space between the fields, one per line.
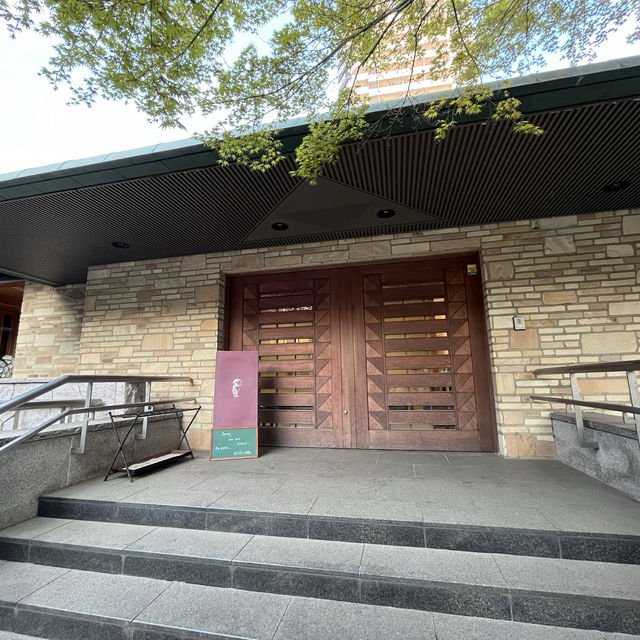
x=69 y=412
x=627 y=366
x=69 y=379
x=22 y=399
x=595 y=367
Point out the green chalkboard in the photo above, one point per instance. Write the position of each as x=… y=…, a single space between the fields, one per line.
x=235 y=442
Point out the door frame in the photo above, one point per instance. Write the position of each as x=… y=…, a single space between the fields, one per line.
x=352 y=401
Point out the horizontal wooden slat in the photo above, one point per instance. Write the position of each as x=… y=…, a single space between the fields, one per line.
x=296 y=437
x=430 y=398
x=285 y=317
x=415 y=326
x=284 y=286
x=286 y=349
x=286 y=332
x=393 y=294
x=414 y=309
x=286 y=365
x=286 y=399
x=416 y=344
x=286 y=382
x=444 y=440
x=300 y=417
x=404 y=276
x=420 y=380
x=417 y=362
x=283 y=302
x=422 y=417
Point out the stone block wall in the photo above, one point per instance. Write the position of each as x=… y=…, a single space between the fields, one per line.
x=48 y=342
x=575 y=280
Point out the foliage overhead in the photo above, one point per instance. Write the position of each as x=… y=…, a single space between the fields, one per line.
x=248 y=63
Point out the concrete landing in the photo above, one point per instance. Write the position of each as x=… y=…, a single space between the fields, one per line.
x=449 y=489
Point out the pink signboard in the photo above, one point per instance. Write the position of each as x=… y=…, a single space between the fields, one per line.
x=235 y=397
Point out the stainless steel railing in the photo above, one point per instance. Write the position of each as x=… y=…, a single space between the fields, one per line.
x=630 y=413
x=90 y=380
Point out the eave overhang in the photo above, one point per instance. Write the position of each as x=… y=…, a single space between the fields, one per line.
x=175 y=199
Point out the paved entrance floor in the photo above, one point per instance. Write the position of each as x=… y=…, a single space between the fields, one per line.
x=449 y=488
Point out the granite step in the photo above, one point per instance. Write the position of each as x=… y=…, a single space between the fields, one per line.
x=68 y=604
x=368 y=524
x=549 y=591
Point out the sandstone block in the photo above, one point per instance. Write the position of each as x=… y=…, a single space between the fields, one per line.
x=604 y=385
x=193 y=263
x=169 y=283
x=500 y=271
x=559 y=245
x=520 y=445
x=610 y=342
x=283 y=261
x=559 y=222
x=248 y=261
x=44 y=340
x=157 y=342
x=369 y=250
x=207 y=293
x=559 y=297
x=174 y=307
x=411 y=248
x=505 y=384
x=628 y=308
x=209 y=325
x=620 y=250
x=502 y=322
x=325 y=257
x=631 y=225
x=527 y=339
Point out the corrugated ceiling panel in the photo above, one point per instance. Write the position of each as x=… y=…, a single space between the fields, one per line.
x=480 y=174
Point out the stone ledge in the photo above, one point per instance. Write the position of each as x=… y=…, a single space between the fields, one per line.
x=596 y=421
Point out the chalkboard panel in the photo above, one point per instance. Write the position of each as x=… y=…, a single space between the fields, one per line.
x=234 y=442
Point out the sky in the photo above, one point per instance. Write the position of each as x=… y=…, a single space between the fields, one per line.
x=37 y=127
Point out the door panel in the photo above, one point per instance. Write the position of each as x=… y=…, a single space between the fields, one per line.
x=289 y=319
x=421 y=359
x=381 y=356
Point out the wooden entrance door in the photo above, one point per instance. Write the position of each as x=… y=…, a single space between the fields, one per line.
x=292 y=321
x=421 y=357
x=389 y=356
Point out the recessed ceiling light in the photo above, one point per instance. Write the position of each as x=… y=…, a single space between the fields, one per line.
x=386 y=213
x=119 y=245
x=619 y=185
x=279 y=226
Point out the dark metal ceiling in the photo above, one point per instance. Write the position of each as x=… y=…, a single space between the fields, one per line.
x=482 y=173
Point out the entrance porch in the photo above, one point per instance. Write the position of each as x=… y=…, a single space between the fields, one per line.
x=313 y=544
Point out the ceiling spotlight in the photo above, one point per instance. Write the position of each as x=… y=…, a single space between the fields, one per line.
x=613 y=187
x=279 y=226
x=386 y=213
x=120 y=245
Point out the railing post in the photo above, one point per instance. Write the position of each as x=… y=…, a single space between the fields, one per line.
x=147 y=396
x=632 y=379
x=577 y=395
x=83 y=434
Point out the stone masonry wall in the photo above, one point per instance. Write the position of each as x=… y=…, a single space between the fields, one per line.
x=575 y=280
x=48 y=342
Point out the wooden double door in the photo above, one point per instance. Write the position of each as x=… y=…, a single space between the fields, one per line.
x=386 y=355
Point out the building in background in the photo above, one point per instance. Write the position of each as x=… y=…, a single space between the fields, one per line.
x=407 y=80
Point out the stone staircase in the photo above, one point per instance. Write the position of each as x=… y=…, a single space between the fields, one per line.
x=104 y=569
